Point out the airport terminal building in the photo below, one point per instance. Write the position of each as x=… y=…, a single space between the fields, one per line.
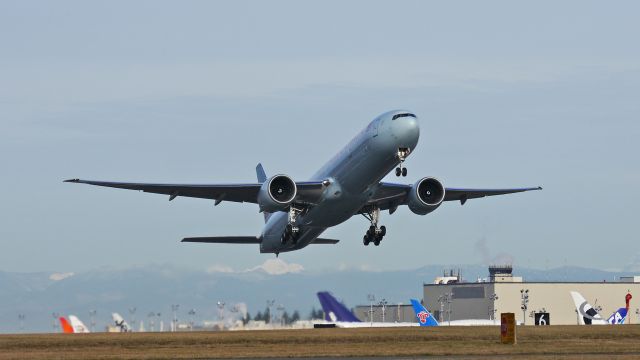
x=545 y=303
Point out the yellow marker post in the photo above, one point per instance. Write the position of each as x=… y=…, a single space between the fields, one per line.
x=508 y=328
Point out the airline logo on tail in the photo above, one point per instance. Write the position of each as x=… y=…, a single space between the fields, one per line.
x=422 y=314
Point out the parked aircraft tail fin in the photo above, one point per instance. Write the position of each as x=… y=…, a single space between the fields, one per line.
x=120 y=323
x=618 y=317
x=64 y=325
x=335 y=310
x=423 y=315
x=78 y=326
x=587 y=314
x=262 y=177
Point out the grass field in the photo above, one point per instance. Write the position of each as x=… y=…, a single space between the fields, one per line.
x=562 y=342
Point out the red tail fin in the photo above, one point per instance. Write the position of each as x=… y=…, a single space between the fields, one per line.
x=66 y=328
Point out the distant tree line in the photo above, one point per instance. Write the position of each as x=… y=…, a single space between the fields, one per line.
x=266 y=317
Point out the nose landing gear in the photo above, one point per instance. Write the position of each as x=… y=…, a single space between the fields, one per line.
x=375 y=234
x=402 y=155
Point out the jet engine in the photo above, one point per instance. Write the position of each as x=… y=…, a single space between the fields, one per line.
x=426 y=195
x=277 y=193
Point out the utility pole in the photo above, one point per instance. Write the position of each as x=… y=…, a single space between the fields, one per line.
x=371 y=298
x=220 y=305
x=524 y=297
x=280 y=309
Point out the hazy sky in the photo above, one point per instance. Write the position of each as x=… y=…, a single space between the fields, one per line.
x=508 y=94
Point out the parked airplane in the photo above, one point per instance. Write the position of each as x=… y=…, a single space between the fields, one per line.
x=589 y=316
x=425 y=318
x=297 y=213
x=337 y=313
x=120 y=323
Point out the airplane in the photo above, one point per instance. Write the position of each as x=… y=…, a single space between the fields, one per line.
x=297 y=213
x=589 y=315
x=338 y=314
x=425 y=318
x=121 y=324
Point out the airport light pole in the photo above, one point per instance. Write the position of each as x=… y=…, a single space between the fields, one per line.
x=449 y=301
x=56 y=316
x=174 y=308
x=371 y=298
x=270 y=304
x=21 y=317
x=151 y=315
x=132 y=312
x=220 y=305
x=192 y=314
x=280 y=309
x=383 y=303
x=92 y=319
x=492 y=308
x=524 y=305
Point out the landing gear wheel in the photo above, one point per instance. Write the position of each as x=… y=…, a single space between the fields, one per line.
x=376 y=242
x=398 y=172
x=365 y=240
x=404 y=171
x=383 y=231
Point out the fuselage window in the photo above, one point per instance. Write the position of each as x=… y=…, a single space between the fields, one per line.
x=402 y=115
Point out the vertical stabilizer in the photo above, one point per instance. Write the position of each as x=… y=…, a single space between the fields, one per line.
x=120 y=323
x=262 y=177
x=423 y=315
x=587 y=315
x=77 y=325
x=64 y=325
x=335 y=310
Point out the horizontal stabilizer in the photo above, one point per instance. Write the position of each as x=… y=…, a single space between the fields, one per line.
x=325 y=241
x=224 y=240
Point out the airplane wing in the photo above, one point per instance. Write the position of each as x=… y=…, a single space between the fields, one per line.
x=308 y=192
x=390 y=195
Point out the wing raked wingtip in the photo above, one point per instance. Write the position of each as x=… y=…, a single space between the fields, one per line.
x=72 y=180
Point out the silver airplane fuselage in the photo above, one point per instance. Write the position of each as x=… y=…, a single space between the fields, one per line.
x=354 y=175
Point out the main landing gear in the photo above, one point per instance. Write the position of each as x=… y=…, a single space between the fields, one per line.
x=292 y=230
x=374 y=234
x=402 y=155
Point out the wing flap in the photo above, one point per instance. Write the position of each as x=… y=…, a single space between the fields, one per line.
x=223 y=240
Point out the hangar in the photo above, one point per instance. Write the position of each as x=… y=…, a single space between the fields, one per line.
x=540 y=303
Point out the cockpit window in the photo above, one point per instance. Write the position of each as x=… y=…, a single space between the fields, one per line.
x=402 y=115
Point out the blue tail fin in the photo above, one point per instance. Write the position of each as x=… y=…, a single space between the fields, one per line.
x=423 y=315
x=262 y=177
x=618 y=317
x=335 y=310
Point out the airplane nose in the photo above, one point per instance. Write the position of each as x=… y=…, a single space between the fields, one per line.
x=407 y=131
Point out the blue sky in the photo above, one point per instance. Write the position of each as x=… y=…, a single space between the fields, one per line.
x=508 y=94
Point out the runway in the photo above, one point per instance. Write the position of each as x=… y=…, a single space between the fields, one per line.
x=558 y=342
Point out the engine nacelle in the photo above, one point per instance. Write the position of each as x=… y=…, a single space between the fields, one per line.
x=426 y=195
x=277 y=193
